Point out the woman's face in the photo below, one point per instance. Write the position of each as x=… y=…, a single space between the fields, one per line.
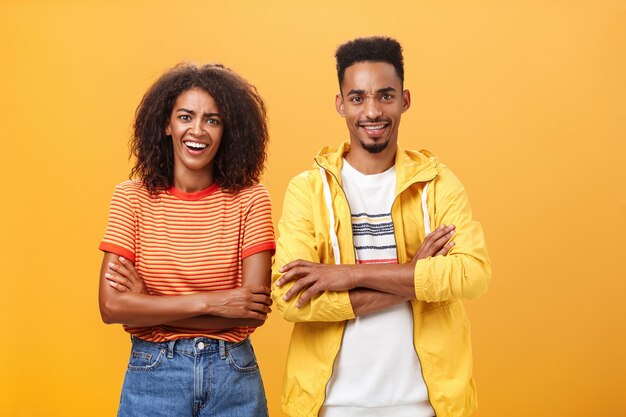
x=196 y=128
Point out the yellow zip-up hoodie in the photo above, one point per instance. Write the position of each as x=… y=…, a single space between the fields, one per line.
x=441 y=327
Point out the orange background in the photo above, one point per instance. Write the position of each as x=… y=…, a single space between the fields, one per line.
x=524 y=100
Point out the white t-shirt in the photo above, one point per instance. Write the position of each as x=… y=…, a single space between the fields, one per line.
x=377 y=371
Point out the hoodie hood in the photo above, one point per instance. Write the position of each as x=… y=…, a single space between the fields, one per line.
x=411 y=166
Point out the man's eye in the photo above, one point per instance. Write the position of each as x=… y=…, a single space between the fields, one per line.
x=386 y=97
x=356 y=99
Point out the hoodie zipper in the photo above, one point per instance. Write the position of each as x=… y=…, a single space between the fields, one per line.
x=332 y=368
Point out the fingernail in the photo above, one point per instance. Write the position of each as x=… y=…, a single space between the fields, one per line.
x=112 y=283
x=282 y=269
x=278 y=283
x=122 y=259
x=285 y=297
x=108 y=275
x=111 y=265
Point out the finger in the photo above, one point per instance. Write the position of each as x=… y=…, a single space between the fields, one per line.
x=262 y=299
x=437 y=233
x=129 y=266
x=426 y=246
x=254 y=315
x=119 y=268
x=441 y=242
x=119 y=280
x=259 y=308
x=293 y=264
x=261 y=289
x=444 y=251
x=117 y=286
x=293 y=274
x=436 y=241
x=307 y=295
x=296 y=288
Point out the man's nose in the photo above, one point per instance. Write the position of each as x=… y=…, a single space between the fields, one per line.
x=372 y=109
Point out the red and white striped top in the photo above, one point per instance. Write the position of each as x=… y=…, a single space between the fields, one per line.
x=183 y=243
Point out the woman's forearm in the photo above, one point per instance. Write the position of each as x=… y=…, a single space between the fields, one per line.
x=149 y=310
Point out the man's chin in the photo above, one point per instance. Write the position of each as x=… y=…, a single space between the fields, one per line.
x=375 y=147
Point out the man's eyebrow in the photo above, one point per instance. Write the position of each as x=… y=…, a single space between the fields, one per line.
x=386 y=90
x=193 y=112
x=380 y=91
x=358 y=92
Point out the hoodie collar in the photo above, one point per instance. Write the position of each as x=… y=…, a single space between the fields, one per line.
x=411 y=166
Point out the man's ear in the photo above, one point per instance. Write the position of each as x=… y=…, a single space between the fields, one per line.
x=406 y=100
x=339 y=105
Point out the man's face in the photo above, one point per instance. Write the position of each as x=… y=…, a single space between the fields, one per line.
x=372 y=102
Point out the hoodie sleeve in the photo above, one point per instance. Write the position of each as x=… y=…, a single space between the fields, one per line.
x=465 y=272
x=297 y=240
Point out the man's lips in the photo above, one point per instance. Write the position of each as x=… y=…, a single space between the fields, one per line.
x=373 y=127
x=374 y=130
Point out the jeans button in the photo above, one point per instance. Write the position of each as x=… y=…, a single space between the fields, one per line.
x=200 y=345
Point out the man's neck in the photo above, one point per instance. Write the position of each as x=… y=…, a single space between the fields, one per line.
x=371 y=163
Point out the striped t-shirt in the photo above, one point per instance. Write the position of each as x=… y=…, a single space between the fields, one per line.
x=183 y=243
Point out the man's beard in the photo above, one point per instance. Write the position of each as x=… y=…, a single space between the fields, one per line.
x=377 y=147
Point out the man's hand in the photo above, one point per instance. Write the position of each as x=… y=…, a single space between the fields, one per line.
x=314 y=278
x=436 y=243
x=242 y=303
x=123 y=277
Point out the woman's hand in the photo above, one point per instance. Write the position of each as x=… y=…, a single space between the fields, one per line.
x=242 y=303
x=123 y=277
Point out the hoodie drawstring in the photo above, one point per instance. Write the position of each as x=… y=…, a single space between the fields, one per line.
x=329 y=205
x=427 y=229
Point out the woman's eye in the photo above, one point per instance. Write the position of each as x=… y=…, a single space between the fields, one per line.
x=213 y=122
x=184 y=117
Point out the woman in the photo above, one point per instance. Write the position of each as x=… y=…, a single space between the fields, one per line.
x=187 y=250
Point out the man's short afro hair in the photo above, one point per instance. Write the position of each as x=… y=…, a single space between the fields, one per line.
x=372 y=49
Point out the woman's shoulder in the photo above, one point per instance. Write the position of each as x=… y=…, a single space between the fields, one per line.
x=252 y=194
x=132 y=189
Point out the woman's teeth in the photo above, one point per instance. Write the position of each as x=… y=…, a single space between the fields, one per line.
x=195 y=145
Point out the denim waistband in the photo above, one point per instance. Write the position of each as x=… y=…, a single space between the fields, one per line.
x=191 y=346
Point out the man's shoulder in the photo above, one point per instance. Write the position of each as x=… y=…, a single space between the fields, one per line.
x=306 y=178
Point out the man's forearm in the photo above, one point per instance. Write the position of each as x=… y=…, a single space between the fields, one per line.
x=366 y=301
x=396 y=279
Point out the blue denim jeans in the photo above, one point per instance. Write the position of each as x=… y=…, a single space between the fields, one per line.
x=192 y=377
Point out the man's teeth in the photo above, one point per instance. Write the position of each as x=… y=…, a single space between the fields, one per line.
x=196 y=145
x=376 y=127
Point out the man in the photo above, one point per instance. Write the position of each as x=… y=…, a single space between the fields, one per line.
x=376 y=298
